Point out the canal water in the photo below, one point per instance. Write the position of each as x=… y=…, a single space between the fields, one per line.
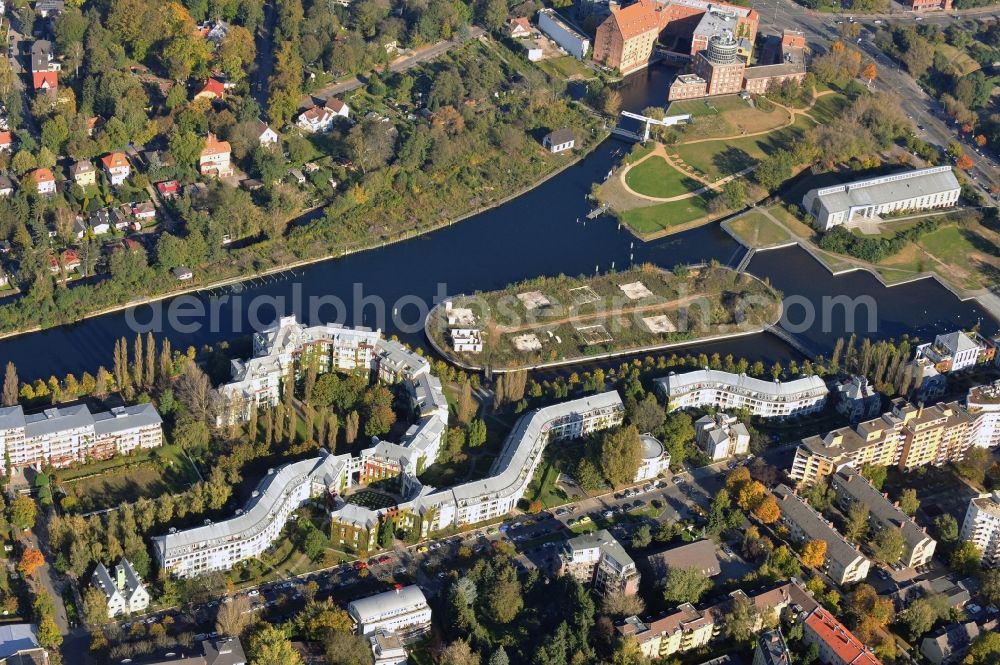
x=543 y=232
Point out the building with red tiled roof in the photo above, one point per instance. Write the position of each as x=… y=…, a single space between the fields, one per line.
x=44 y=181
x=337 y=107
x=518 y=28
x=624 y=41
x=213 y=89
x=117 y=167
x=837 y=645
x=215 y=157
x=6 y=141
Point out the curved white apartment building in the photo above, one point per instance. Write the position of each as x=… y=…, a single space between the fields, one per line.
x=725 y=390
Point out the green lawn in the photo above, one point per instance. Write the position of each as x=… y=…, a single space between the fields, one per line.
x=717 y=159
x=147 y=473
x=565 y=67
x=757 y=231
x=829 y=107
x=655 y=177
x=725 y=116
x=664 y=215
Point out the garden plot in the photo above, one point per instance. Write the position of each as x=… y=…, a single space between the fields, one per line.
x=583 y=295
x=533 y=300
x=596 y=334
x=659 y=324
x=635 y=290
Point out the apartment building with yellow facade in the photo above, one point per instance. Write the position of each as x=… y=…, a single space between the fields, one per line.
x=907 y=437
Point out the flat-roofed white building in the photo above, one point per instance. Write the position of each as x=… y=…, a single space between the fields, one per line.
x=982 y=526
x=983 y=403
x=221 y=545
x=921 y=189
x=60 y=436
x=402 y=611
x=725 y=390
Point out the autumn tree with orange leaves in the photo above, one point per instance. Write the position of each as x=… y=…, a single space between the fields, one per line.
x=31 y=561
x=767 y=511
x=870 y=72
x=814 y=553
x=964 y=162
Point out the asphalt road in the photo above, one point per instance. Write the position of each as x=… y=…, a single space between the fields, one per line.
x=927 y=113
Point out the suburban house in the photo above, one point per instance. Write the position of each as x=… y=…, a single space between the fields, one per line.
x=857 y=399
x=265 y=135
x=19 y=644
x=6 y=186
x=125 y=592
x=47 y=8
x=214 y=160
x=518 y=28
x=337 y=107
x=44 y=70
x=559 y=140
x=315 y=119
x=6 y=142
x=83 y=173
x=116 y=167
x=212 y=90
x=168 y=189
x=44 y=181
x=144 y=211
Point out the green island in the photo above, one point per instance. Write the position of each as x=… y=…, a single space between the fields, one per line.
x=556 y=320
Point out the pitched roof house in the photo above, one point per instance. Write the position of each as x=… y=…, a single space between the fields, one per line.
x=44 y=181
x=266 y=135
x=315 y=119
x=6 y=141
x=518 y=28
x=117 y=167
x=125 y=592
x=213 y=89
x=83 y=173
x=44 y=70
x=215 y=158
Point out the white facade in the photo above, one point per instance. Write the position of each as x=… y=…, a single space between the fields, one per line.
x=562 y=33
x=983 y=402
x=125 y=592
x=982 y=526
x=934 y=187
x=655 y=459
x=724 y=390
x=952 y=352
x=222 y=545
x=467 y=340
x=403 y=611
x=62 y=436
x=722 y=436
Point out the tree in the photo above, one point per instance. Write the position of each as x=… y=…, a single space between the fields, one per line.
x=342 y=648
x=23 y=512
x=31 y=560
x=234 y=616
x=466 y=407
x=685 y=585
x=95 y=607
x=271 y=646
x=965 y=559
x=870 y=72
x=908 y=502
x=742 y=619
x=621 y=455
x=814 y=553
x=503 y=599
x=767 y=511
x=922 y=614
x=619 y=604
x=459 y=653
x=10 y=385
x=889 y=545
x=857 y=522
x=648 y=415
x=985 y=649
x=965 y=162
x=499 y=657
